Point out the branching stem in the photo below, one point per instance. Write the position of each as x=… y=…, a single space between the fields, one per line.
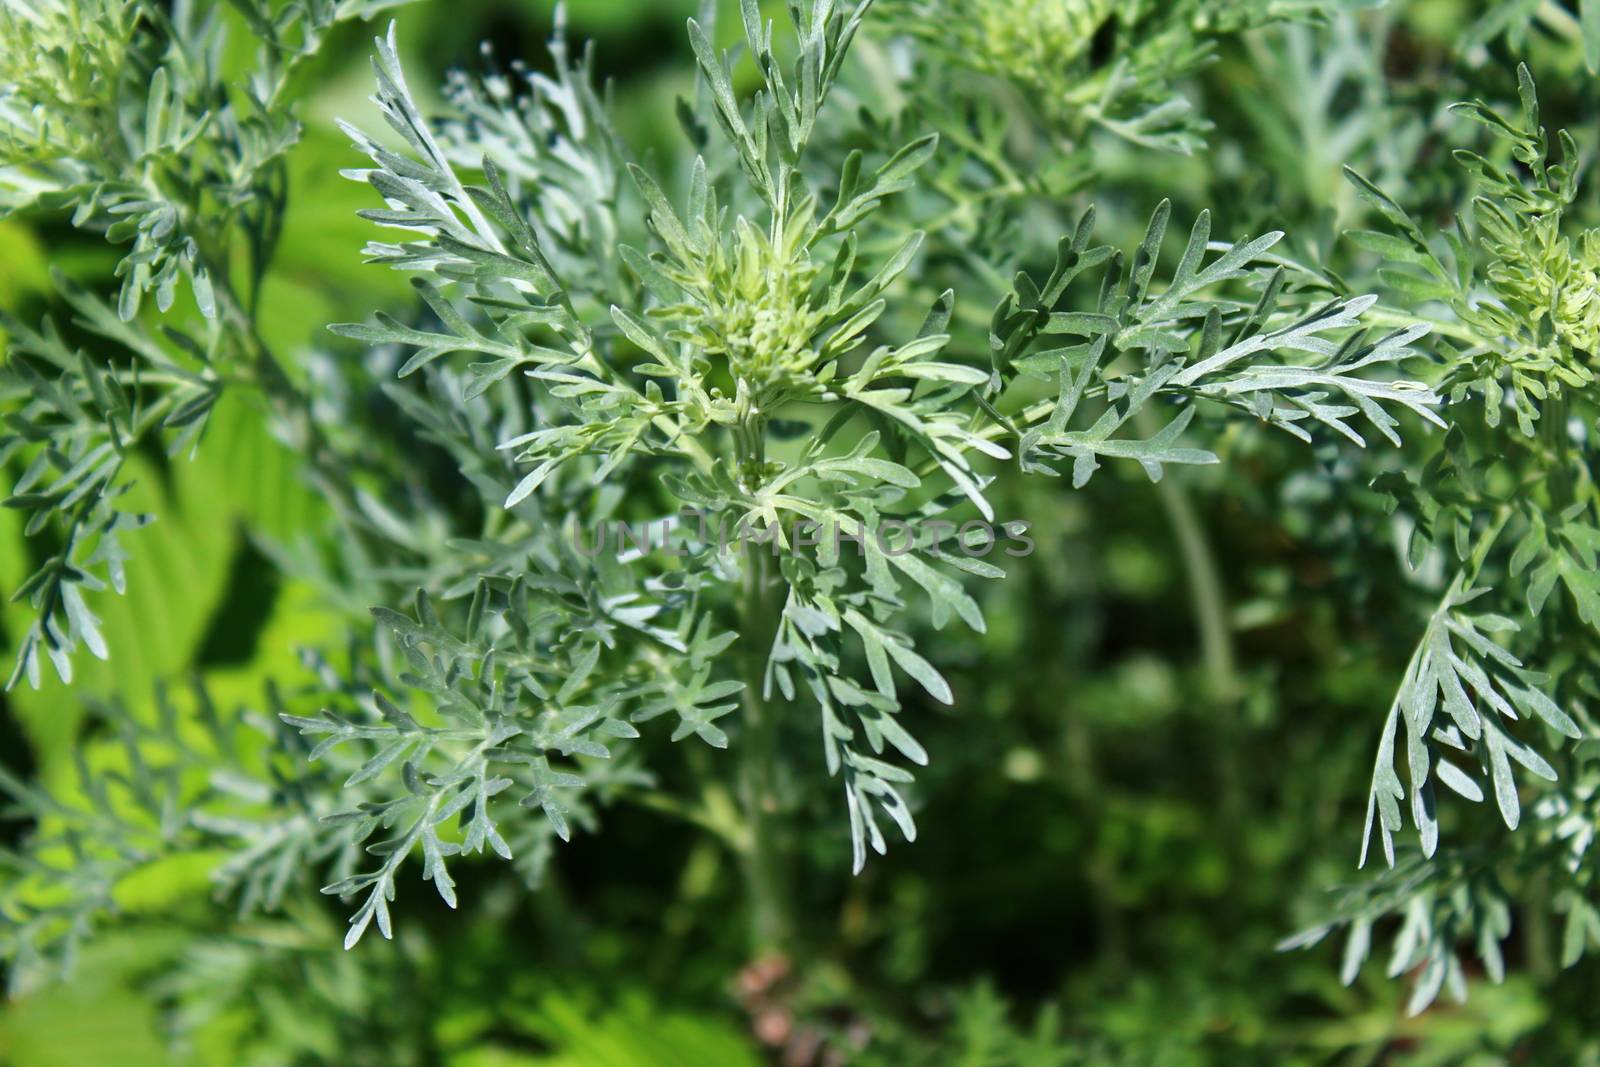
x=765 y=854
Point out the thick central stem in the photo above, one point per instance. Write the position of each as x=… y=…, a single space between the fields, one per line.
x=766 y=849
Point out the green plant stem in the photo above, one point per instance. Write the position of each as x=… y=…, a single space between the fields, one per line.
x=289 y=403
x=1208 y=603
x=1553 y=427
x=1540 y=939
x=765 y=853
x=1207 y=600
x=1209 y=606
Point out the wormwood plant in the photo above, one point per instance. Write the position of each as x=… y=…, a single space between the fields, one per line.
x=1509 y=502
x=740 y=368
x=753 y=313
x=1098 y=63
x=122 y=114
